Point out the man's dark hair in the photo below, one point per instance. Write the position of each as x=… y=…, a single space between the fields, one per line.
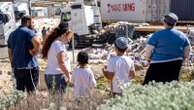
x=25 y=19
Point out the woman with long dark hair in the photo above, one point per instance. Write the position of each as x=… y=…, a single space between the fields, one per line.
x=58 y=61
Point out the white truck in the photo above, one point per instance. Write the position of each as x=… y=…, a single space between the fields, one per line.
x=81 y=17
x=85 y=21
x=10 y=15
x=82 y=20
x=7 y=21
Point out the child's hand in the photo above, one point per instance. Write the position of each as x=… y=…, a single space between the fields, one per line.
x=69 y=78
x=32 y=52
x=107 y=74
x=186 y=62
x=146 y=63
x=104 y=69
x=105 y=66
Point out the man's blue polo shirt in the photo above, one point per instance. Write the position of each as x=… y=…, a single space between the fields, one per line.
x=169 y=44
x=20 y=41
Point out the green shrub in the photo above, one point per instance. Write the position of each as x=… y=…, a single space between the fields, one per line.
x=13 y=98
x=155 y=96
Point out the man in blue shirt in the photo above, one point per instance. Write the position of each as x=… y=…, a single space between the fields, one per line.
x=166 y=51
x=23 y=46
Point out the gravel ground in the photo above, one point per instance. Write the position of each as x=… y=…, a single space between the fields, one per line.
x=3 y=52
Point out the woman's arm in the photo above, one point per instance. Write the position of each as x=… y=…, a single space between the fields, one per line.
x=148 y=52
x=187 y=52
x=63 y=67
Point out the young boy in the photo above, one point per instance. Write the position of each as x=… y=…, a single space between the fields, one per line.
x=120 y=68
x=82 y=77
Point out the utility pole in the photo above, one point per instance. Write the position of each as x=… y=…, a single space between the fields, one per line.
x=29 y=7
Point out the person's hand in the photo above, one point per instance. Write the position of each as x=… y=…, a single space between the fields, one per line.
x=70 y=33
x=146 y=63
x=32 y=52
x=186 y=62
x=69 y=78
x=104 y=68
x=107 y=74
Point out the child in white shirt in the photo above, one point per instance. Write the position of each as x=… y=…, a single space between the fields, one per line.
x=83 y=77
x=120 y=68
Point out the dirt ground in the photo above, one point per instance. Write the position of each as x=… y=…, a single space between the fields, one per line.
x=42 y=98
x=6 y=72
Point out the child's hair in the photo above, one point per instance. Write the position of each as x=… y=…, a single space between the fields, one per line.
x=82 y=58
x=120 y=50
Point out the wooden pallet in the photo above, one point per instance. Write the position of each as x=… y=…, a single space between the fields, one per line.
x=157 y=28
x=185 y=23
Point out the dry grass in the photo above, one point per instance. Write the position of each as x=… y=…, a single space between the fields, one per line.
x=44 y=101
x=187 y=73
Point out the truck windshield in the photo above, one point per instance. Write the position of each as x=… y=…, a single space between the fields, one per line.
x=66 y=16
x=1 y=17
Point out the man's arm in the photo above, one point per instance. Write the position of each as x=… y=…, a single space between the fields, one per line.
x=148 y=52
x=10 y=47
x=187 y=52
x=36 y=44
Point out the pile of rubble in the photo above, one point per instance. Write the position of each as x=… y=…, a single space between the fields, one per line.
x=100 y=55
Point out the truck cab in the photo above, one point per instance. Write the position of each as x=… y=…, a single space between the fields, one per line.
x=10 y=17
x=85 y=22
x=7 y=21
x=82 y=20
x=81 y=17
